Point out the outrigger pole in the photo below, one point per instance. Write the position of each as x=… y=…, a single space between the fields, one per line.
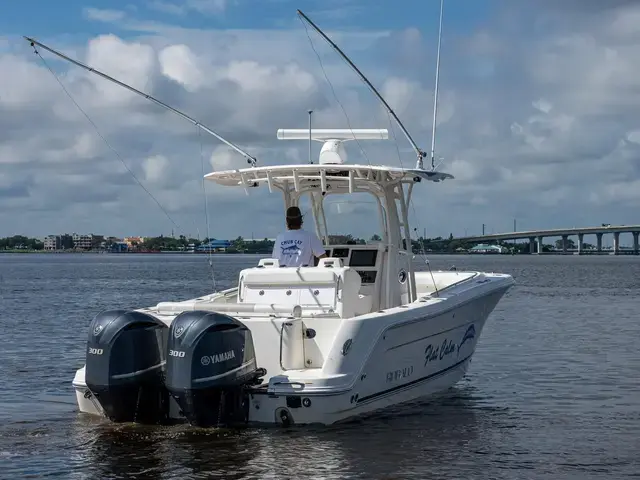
x=435 y=93
x=419 y=152
x=250 y=158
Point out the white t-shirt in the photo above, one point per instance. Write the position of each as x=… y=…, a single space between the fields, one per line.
x=295 y=248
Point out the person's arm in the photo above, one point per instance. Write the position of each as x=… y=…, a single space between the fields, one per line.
x=317 y=248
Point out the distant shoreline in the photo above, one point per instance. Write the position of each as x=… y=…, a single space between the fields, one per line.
x=99 y=252
x=176 y=252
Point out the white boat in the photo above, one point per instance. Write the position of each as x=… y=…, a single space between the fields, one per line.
x=360 y=331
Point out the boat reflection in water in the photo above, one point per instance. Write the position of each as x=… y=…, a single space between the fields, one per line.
x=396 y=444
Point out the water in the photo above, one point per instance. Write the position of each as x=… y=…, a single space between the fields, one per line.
x=553 y=390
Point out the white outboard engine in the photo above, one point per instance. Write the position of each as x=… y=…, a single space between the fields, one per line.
x=210 y=364
x=125 y=366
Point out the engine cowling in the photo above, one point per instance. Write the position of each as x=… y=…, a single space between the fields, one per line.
x=210 y=363
x=125 y=366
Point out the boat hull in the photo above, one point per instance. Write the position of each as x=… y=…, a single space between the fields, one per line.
x=327 y=409
x=330 y=409
x=411 y=361
x=411 y=358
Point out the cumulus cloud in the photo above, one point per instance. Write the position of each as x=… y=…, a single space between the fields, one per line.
x=180 y=64
x=537 y=123
x=130 y=62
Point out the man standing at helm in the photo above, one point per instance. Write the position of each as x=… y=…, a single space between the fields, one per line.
x=296 y=247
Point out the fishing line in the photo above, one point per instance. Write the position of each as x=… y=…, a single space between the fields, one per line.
x=206 y=210
x=103 y=138
x=364 y=154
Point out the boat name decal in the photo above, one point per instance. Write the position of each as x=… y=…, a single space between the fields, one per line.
x=399 y=374
x=435 y=352
x=438 y=352
x=218 y=357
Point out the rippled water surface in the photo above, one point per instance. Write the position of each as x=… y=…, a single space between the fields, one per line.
x=553 y=390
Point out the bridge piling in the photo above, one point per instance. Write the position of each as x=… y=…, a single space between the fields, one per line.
x=580 y=242
x=564 y=244
x=536 y=237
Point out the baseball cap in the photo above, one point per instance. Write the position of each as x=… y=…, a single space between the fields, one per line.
x=294 y=212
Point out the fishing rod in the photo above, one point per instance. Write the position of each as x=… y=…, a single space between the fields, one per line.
x=419 y=152
x=250 y=158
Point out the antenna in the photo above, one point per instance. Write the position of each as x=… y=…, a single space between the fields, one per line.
x=420 y=153
x=435 y=93
x=310 y=112
x=324 y=134
x=250 y=159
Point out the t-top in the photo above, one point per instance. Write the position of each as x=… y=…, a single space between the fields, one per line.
x=296 y=248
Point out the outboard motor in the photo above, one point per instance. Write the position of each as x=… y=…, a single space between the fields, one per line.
x=125 y=366
x=210 y=364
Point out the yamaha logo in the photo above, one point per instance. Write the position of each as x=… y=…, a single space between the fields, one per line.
x=178 y=331
x=97 y=330
x=218 y=357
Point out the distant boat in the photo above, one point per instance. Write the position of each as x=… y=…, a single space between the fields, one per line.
x=487 y=249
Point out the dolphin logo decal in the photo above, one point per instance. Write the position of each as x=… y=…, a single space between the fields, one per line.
x=468 y=335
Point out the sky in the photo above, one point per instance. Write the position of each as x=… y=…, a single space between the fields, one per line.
x=537 y=113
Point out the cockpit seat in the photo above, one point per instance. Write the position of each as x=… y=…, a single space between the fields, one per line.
x=353 y=302
x=328 y=288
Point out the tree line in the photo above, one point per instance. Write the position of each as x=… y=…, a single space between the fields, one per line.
x=242 y=245
x=20 y=242
x=264 y=246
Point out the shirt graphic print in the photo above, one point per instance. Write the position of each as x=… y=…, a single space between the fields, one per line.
x=296 y=248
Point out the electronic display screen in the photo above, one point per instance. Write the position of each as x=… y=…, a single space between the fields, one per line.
x=363 y=258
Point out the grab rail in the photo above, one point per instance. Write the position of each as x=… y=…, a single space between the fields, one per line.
x=281 y=340
x=271 y=385
x=178 y=307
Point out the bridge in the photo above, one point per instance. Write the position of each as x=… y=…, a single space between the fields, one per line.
x=537 y=236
